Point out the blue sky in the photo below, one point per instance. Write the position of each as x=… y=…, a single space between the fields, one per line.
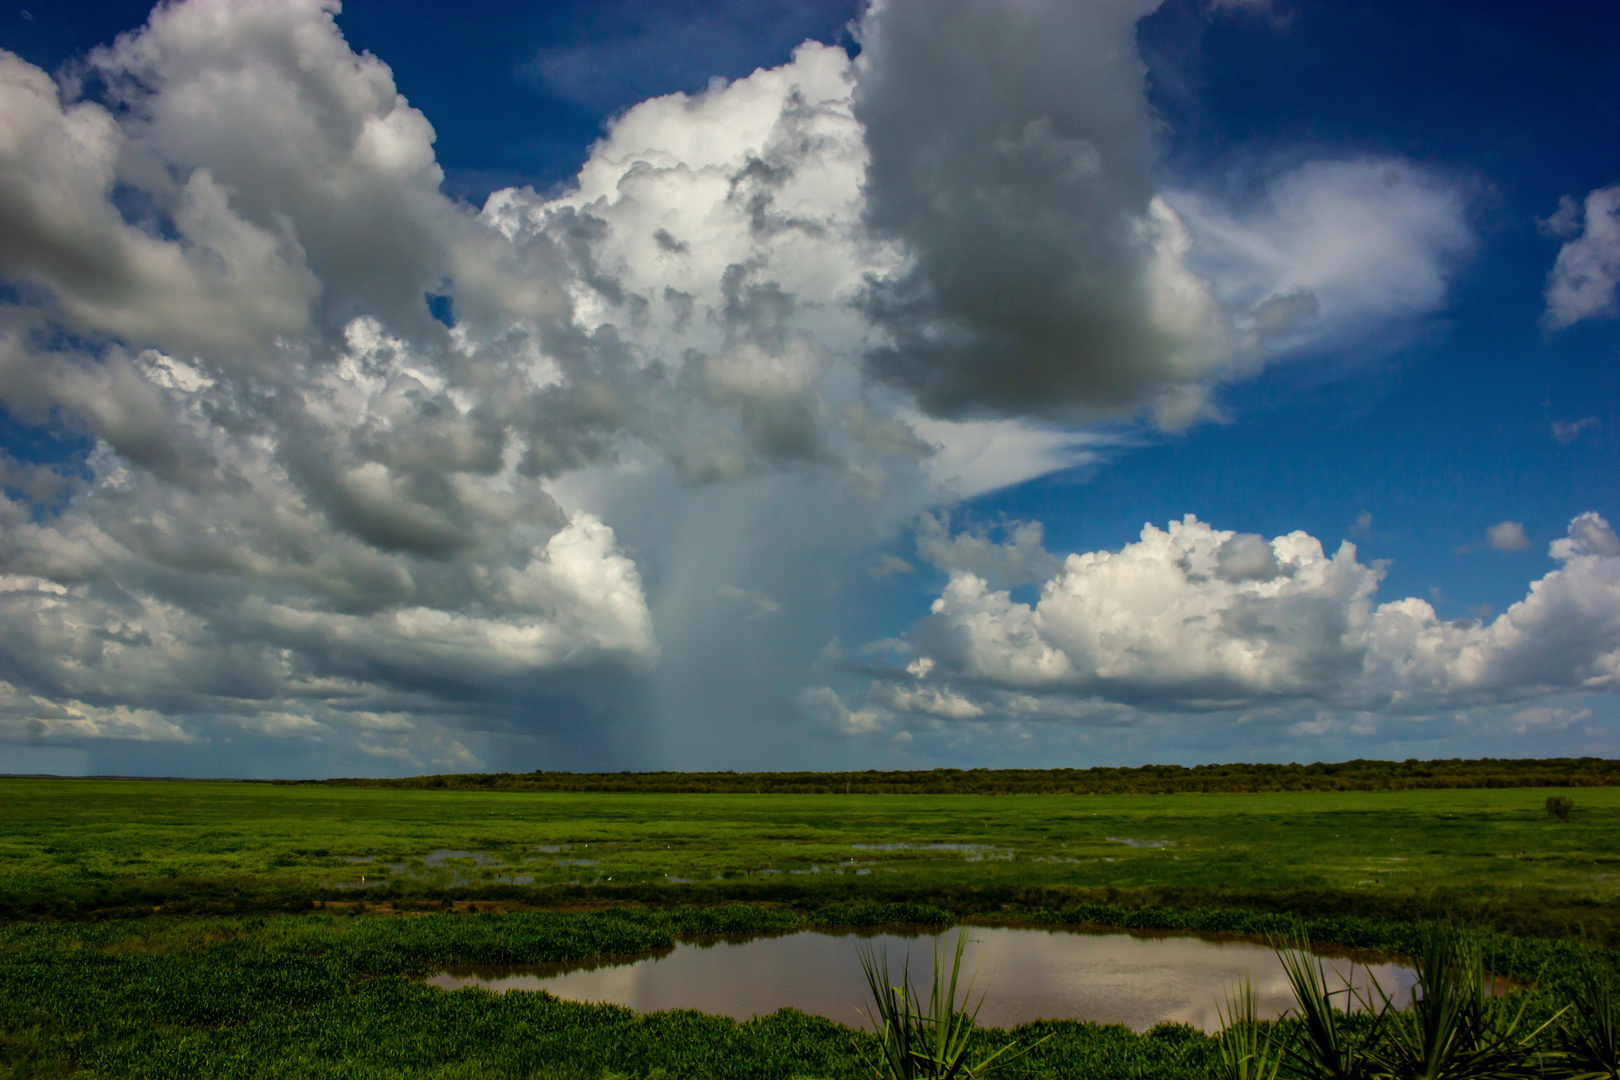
x=761 y=442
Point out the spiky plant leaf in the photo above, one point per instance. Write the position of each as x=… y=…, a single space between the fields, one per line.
x=1247 y=1051
x=1322 y=1047
x=932 y=1045
x=1591 y=1043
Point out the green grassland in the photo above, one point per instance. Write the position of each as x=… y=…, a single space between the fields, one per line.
x=81 y=846
x=171 y=929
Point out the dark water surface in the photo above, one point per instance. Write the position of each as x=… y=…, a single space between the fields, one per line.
x=1025 y=975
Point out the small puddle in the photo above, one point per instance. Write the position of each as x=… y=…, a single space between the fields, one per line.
x=455 y=868
x=1026 y=975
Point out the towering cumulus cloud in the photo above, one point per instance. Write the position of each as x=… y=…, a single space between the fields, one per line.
x=1011 y=151
x=713 y=247
x=332 y=458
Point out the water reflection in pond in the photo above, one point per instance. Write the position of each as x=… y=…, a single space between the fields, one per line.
x=1027 y=975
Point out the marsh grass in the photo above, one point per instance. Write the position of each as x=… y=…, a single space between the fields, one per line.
x=83 y=848
x=1454 y=1027
x=124 y=951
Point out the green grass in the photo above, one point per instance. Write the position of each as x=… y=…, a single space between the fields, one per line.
x=87 y=989
x=74 y=846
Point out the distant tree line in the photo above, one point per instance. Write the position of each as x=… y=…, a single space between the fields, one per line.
x=1358 y=775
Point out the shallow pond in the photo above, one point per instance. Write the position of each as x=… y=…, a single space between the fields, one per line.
x=1117 y=978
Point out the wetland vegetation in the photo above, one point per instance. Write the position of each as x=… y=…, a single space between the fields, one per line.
x=79 y=847
x=224 y=929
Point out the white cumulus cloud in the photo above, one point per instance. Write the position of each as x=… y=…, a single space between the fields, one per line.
x=1196 y=618
x=1022 y=557
x=290 y=517
x=823 y=704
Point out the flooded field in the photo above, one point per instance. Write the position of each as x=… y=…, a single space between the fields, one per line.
x=449 y=868
x=1024 y=974
x=87 y=843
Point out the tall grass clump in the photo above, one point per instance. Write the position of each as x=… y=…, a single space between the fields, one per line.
x=914 y=1044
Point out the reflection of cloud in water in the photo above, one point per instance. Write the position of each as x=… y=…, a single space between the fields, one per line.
x=1117 y=978
x=1026 y=975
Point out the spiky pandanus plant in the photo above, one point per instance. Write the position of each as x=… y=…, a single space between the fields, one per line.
x=1591 y=1044
x=1322 y=1046
x=1453 y=1029
x=931 y=1045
